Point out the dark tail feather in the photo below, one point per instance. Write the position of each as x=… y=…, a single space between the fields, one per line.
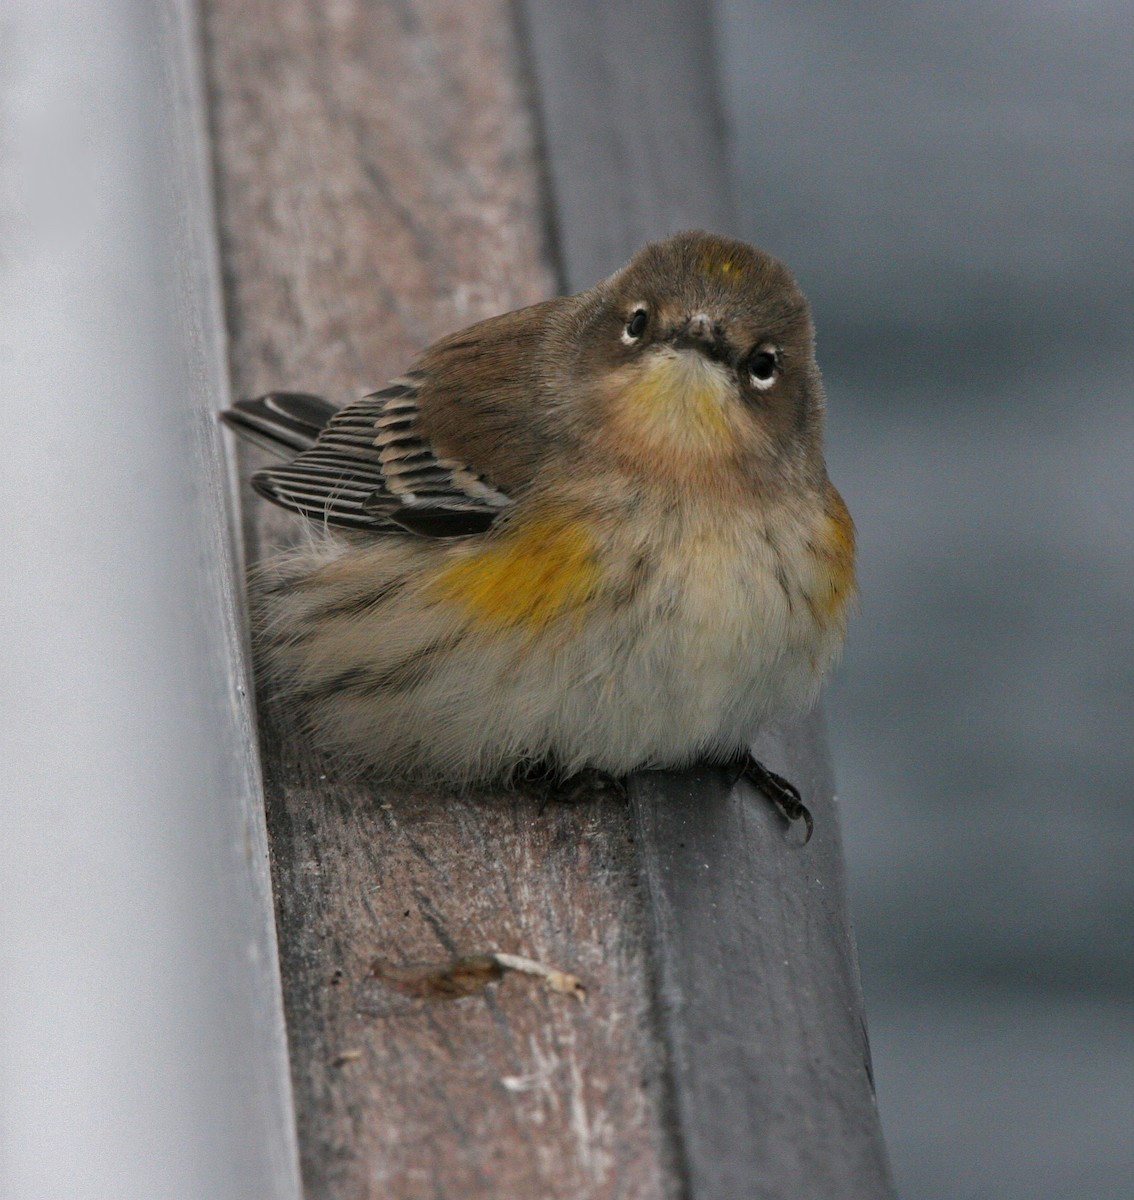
x=280 y=421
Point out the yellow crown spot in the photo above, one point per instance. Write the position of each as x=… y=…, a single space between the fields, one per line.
x=527 y=578
x=725 y=267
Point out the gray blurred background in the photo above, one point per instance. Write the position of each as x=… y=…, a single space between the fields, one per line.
x=952 y=184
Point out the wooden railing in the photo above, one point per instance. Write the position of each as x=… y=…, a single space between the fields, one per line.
x=389 y=173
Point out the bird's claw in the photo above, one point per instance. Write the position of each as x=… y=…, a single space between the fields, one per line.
x=783 y=794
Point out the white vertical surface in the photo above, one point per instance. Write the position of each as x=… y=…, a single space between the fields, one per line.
x=142 y=1049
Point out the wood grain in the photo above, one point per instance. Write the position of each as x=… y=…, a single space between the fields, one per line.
x=378 y=187
x=632 y=123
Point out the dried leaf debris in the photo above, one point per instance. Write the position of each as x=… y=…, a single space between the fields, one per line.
x=469 y=975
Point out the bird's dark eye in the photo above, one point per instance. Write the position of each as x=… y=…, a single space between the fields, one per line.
x=762 y=366
x=636 y=326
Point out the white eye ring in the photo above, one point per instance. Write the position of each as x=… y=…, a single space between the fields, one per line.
x=639 y=318
x=763 y=367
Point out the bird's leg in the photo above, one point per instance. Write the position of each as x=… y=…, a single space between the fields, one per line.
x=590 y=781
x=572 y=789
x=784 y=795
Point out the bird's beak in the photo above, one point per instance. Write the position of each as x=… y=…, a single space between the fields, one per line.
x=699 y=333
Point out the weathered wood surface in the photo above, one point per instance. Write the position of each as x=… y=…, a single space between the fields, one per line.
x=759 y=998
x=379 y=187
x=632 y=126
x=758 y=978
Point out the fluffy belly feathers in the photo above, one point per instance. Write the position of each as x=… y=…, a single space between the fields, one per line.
x=561 y=640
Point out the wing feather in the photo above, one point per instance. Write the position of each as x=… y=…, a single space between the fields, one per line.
x=371 y=468
x=440 y=451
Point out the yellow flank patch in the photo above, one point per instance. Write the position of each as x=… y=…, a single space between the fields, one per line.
x=680 y=399
x=527 y=578
x=837 y=550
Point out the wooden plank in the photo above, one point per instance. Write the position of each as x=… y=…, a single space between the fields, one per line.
x=379 y=187
x=759 y=997
x=632 y=124
x=758 y=984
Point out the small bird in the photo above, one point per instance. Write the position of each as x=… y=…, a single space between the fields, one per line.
x=596 y=534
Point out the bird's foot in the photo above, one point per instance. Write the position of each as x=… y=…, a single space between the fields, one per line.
x=784 y=795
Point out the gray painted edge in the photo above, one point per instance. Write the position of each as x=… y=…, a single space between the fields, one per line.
x=142 y=1047
x=756 y=973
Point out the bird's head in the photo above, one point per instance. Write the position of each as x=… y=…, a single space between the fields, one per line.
x=700 y=352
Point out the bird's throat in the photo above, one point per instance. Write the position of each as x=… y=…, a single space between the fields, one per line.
x=676 y=402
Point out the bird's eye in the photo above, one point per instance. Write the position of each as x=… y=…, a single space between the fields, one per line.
x=762 y=367
x=636 y=326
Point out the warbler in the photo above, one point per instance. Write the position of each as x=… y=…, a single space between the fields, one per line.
x=595 y=533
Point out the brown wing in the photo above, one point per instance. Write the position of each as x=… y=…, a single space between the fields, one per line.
x=370 y=468
x=404 y=457
x=483 y=399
